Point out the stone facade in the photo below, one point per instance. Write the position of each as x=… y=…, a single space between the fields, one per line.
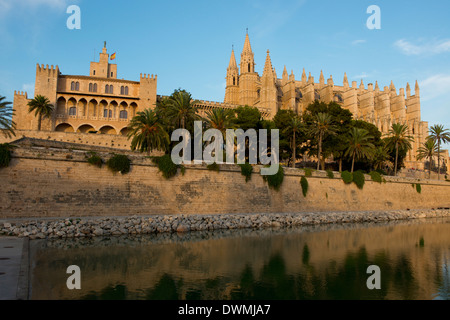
x=102 y=103
x=46 y=182
x=369 y=103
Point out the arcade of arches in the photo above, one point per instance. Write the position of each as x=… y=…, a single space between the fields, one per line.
x=92 y=115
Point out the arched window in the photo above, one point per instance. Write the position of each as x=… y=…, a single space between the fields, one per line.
x=249 y=67
x=123 y=114
x=72 y=111
x=107 y=88
x=72 y=86
x=91 y=87
x=111 y=89
x=234 y=81
x=94 y=73
x=107 y=113
x=126 y=91
x=95 y=87
x=122 y=90
x=77 y=86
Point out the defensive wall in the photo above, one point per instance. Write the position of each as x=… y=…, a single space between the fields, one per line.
x=52 y=182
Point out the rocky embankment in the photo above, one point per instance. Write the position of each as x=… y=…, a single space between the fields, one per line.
x=117 y=226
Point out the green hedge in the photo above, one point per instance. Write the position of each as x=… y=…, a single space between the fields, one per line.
x=94 y=159
x=275 y=180
x=308 y=172
x=376 y=176
x=213 y=167
x=246 y=170
x=166 y=166
x=347 y=177
x=359 y=179
x=5 y=154
x=419 y=188
x=119 y=163
x=305 y=185
x=330 y=174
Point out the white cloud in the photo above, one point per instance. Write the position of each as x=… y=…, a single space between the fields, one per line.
x=435 y=86
x=360 y=41
x=361 y=76
x=429 y=48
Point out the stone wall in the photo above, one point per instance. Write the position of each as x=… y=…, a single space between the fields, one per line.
x=43 y=182
x=89 y=139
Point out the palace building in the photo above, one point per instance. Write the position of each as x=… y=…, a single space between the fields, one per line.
x=101 y=103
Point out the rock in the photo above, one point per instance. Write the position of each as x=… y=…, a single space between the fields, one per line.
x=98 y=232
x=182 y=228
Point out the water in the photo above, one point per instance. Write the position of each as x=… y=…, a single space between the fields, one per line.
x=321 y=262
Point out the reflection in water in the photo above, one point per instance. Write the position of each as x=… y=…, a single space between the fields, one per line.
x=303 y=263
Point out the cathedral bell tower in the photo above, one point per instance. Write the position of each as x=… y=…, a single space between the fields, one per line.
x=232 y=89
x=248 y=91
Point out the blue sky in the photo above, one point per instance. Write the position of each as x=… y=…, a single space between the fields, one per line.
x=188 y=43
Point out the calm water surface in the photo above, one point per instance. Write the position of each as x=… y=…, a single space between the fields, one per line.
x=322 y=262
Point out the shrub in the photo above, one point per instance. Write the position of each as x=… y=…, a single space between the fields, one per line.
x=376 y=176
x=213 y=167
x=166 y=166
x=330 y=174
x=308 y=172
x=347 y=177
x=119 y=163
x=359 y=179
x=275 y=180
x=305 y=185
x=246 y=170
x=95 y=159
x=419 y=188
x=5 y=154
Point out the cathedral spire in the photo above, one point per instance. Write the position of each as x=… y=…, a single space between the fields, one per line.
x=247 y=57
x=322 y=78
x=247 y=46
x=233 y=64
x=408 y=90
x=345 y=80
x=268 y=69
x=417 y=90
x=285 y=75
x=304 y=80
x=377 y=88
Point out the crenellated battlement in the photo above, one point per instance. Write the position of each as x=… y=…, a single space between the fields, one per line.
x=145 y=76
x=51 y=71
x=20 y=94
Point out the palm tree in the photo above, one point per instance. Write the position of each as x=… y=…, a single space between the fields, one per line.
x=147 y=132
x=7 y=126
x=321 y=127
x=439 y=135
x=294 y=127
x=220 y=119
x=42 y=108
x=359 y=145
x=380 y=157
x=427 y=150
x=398 y=138
x=181 y=109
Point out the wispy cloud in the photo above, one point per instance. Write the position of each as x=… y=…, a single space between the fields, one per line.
x=435 y=86
x=361 y=76
x=423 y=48
x=8 y=6
x=274 y=15
x=360 y=41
